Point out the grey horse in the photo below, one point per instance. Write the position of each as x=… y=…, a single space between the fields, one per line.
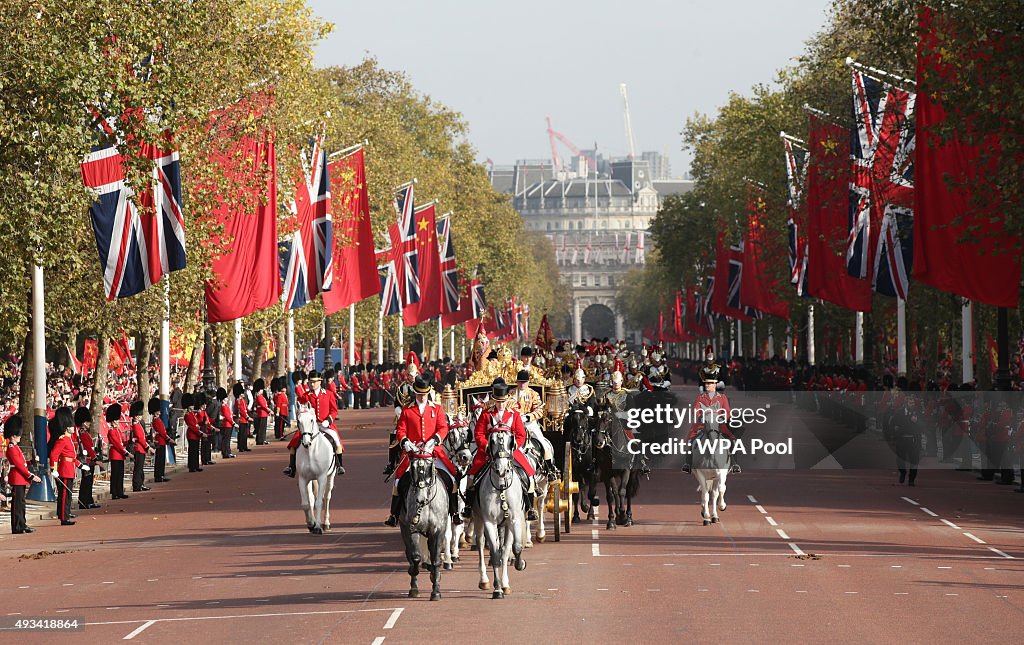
x=711 y=468
x=499 y=513
x=314 y=470
x=426 y=514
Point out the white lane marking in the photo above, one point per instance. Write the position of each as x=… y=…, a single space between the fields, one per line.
x=702 y=590
x=63 y=611
x=273 y=615
x=949 y=524
x=928 y=512
x=907 y=499
x=768 y=518
x=997 y=551
x=952 y=594
x=654 y=590
x=944 y=567
x=672 y=564
x=752 y=500
x=68 y=584
x=595 y=550
x=895 y=566
x=393 y=618
x=797 y=549
x=138 y=630
x=378 y=640
x=595 y=535
x=843 y=566
x=555 y=589
x=152 y=580
x=753 y=591
x=850 y=592
x=24 y=587
x=715 y=564
x=782 y=534
x=760 y=509
x=602 y=589
x=796 y=565
x=901 y=593
x=801 y=591
x=974 y=537
x=108 y=583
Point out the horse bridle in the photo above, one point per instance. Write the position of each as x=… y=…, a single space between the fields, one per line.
x=582 y=433
x=505 y=481
x=423 y=484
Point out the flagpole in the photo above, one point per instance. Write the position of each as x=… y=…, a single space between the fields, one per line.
x=351 y=334
x=771 y=342
x=789 y=342
x=754 y=353
x=967 y=340
x=440 y=339
x=380 y=337
x=401 y=339
x=43 y=490
x=738 y=338
x=291 y=341
x=165 y=365
x=810 y=335
x=238 y=349
x=901 y=336
x=451 y=342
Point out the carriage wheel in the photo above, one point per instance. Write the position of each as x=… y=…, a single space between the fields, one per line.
x=556 y=490
x=567 y=486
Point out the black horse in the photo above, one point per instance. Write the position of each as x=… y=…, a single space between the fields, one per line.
x=577 y=429
x=616 y=467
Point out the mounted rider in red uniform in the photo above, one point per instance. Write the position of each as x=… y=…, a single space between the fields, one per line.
x=500 y=417
x=325 y=409
x=422 y=423
x=710 y=404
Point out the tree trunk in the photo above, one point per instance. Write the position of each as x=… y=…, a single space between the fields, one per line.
x=259 y=355
x=281 y=364
x=145 y=342
x=100 y=385
x=192 y=375
x=219 y=344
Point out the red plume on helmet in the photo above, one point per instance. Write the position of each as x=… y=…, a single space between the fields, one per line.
x=619 y=367
x=413 y=358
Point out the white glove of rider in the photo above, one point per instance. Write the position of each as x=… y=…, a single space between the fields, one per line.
x=429 y=446
x=590 y=411
x=85 y=468
x=407 y=446
x=398 y=411
x=325 y=424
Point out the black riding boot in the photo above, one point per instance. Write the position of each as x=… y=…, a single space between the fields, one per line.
x=394 y=453
x=688 y=466
x=338 y=468
x=290 y=470
x=467 y=512
x=453 y=505
x=396 y=508
x=531 y=513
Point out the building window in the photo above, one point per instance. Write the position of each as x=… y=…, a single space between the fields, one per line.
x=549 y=225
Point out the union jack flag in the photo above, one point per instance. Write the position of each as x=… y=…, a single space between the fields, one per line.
x=702 y=306
x=306 y=259
x=449 y=273
x=735 y=279
x=403 y=244
x=881 y=189
x=796 y=176
x=478 y=299
x=137 y=246
x=390 y=295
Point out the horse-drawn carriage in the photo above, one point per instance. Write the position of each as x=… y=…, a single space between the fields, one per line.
x=472 y=394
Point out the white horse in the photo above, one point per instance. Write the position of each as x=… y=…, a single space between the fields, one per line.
x=711 y=471
x=541 y=485
x=455 y=533
x=314 y=469
x=499 y=513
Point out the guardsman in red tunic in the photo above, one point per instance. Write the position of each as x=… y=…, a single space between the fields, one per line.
x=19 y=478
x=358 y=389
x=63 y=461
x=90 y=450
x=422 y=427
x=499 y=417
x=262 y=411
x=140 y=448
x=241 y=417
x=325 y=409
x=161 y=439
x=226 y=423
x=193 y=430
x=711 y=407
x=281 y=406
x=118 y=451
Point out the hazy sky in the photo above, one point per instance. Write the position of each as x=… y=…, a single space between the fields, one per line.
x=507 y=65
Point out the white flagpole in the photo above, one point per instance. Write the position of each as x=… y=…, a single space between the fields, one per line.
x=789 y=342
x=380 y=337
x=165 y=344
x=966 y=340
x=451 y=342
x=440 y=339
x=291 y=341
x=771 y=342
x=43 y=491
x=739 y=338
x=810 y=335
x=238 y=349
x=401 y=339
x=351 y=335
x=858 y=350
x=901 y=335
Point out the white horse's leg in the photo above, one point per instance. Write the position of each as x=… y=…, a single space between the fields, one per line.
x=328 y=491
x=304 y=500
x=721 y=492
x=713 y=505
x=542 y=497
x=484 y=583
x=446 y=545
x=318 y=504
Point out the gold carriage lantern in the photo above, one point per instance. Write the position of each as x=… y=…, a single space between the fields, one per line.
x=556 y=405
x=450 y=401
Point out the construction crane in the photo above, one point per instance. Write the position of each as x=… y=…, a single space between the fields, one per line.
x=629 y=124
x=554 y=135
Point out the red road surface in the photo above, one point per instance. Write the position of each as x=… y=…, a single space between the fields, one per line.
x=224 y=556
